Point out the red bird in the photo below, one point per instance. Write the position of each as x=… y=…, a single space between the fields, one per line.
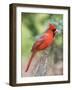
x=43 y=42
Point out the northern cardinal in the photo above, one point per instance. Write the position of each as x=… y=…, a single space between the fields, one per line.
x=43 y=42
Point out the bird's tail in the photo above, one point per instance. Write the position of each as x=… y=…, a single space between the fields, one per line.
x=30 y=60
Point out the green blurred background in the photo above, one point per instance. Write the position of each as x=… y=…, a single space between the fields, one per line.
x=33 y=25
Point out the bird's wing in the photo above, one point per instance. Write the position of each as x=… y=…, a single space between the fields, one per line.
x=39 y=42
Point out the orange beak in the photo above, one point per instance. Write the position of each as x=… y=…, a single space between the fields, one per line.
x=57 y=31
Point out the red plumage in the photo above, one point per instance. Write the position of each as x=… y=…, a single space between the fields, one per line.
x=43 y=42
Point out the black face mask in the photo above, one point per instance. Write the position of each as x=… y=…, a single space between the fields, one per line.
x=53 y=32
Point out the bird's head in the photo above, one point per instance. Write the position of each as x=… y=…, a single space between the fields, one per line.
x=52 y=28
